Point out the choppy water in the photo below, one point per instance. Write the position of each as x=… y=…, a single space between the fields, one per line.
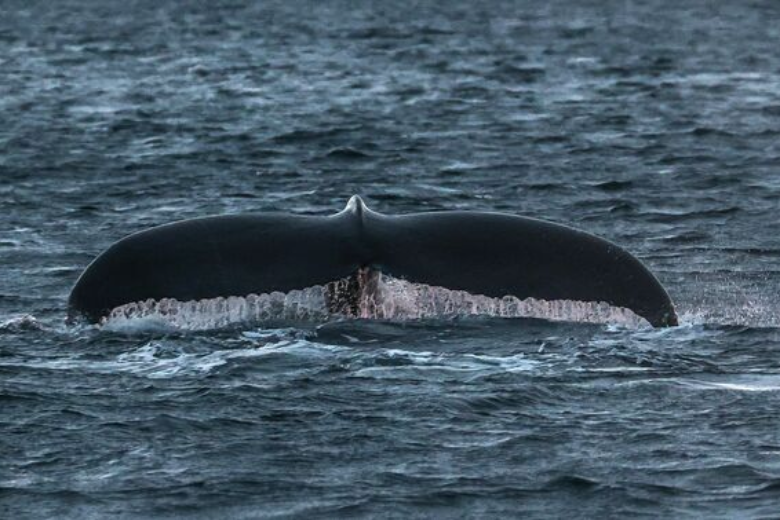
x=653 y=124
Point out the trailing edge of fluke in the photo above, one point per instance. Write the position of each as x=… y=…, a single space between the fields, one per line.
x=490 y=254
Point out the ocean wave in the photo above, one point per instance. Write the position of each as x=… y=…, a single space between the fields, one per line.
x=158 y=360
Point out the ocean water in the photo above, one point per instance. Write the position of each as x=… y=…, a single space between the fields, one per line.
x=654 y=124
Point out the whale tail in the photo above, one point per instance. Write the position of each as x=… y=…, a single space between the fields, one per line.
x=490 y=254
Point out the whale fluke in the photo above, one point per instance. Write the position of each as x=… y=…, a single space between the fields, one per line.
x=490 y=254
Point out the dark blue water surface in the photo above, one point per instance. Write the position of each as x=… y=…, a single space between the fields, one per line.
x=654 y=124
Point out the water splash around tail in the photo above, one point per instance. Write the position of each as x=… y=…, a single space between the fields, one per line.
x=369 y=295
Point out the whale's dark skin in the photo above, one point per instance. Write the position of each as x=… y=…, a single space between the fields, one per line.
x=490 y=254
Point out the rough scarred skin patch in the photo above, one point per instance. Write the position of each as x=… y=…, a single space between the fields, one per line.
x=353 y=296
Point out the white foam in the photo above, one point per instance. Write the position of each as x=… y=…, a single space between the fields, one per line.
x=157 y=360
x=392 y=299
x=736 y=383
x=20 y=323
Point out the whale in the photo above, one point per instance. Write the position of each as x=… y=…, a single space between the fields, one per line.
x=483 y=253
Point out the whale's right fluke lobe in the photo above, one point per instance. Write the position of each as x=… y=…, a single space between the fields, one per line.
x=497 y=255
x=486 y=254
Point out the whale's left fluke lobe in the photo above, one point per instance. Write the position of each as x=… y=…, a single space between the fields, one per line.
x=217 y=256
x=487 y=254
